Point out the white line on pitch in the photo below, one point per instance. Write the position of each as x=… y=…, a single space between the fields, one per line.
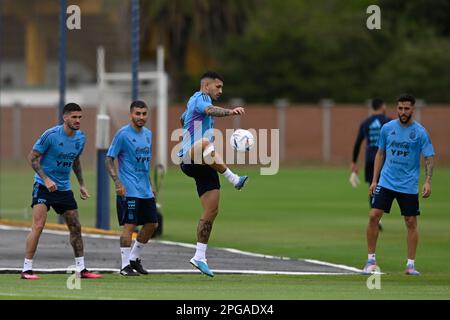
x=341 y=266
x=180 y=271
x=191 y=246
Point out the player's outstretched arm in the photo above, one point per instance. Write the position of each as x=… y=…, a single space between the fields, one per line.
x=223 y=112
x=111 y=167
x=356 y=148
x=379 y=160
x=426 y=188
x=84 y=194
x=34 y=158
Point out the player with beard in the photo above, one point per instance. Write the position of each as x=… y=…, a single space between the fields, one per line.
x=132 y=146
x=200 y=160
x=401 y=144
x=53 y=156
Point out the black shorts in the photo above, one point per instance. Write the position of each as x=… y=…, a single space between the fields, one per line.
x=408 y=203
x=136 y=211
x=60 y=201
x=206 y=178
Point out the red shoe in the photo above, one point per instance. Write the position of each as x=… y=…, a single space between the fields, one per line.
x=29 y=275
x=89 y=275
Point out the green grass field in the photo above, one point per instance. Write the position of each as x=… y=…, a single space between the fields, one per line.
x=223 y=287
x=302 y=212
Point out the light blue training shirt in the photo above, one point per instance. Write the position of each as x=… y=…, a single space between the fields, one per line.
x=403 y=147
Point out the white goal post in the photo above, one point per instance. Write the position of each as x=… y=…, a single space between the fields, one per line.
x=115 y=96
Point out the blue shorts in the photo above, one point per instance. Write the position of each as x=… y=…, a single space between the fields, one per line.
x=60 y=201
x=138 y=211
x=408 y=203
x=206 y=178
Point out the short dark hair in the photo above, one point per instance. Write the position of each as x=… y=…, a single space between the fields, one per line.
x=138 y=104
x=377 y=103
x=212 y=75
x=70 y=107
x=407 y=97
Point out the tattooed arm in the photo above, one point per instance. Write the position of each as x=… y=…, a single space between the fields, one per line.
x=77 y=170
x=222 y=112
x=84 y=194
x=426 y=189
x=429 y=165
x=34 y=158
x=111 y=167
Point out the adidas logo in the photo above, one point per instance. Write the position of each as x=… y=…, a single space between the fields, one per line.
x=392 y=133
x=60 y=144
x=134 y=140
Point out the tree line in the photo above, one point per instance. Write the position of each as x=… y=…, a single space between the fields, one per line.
x=305 y=50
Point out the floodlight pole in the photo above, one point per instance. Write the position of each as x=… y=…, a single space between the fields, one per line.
x=135 y=49
x=102 y=144
x=162 y=128
x=62 y=58
x=62 y=67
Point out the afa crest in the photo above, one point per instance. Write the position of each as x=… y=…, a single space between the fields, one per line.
x=413 y=134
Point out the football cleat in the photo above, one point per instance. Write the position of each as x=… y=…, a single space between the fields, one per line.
x=129 y=272
x=411 y=271
x=202 y=266
x=370 y=267
x=136 y=265
x=85 y=274
x=241 y=183
x=29 y=275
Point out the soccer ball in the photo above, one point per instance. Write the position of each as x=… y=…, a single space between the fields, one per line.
x=242 y=140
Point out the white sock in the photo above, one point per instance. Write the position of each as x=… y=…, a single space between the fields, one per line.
x=27 y=265
x=79 y=264
x=232 y=177
x=136 y=251
x=200 y=252
x=125 y=253
x=371 y=256
x=410 y=262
